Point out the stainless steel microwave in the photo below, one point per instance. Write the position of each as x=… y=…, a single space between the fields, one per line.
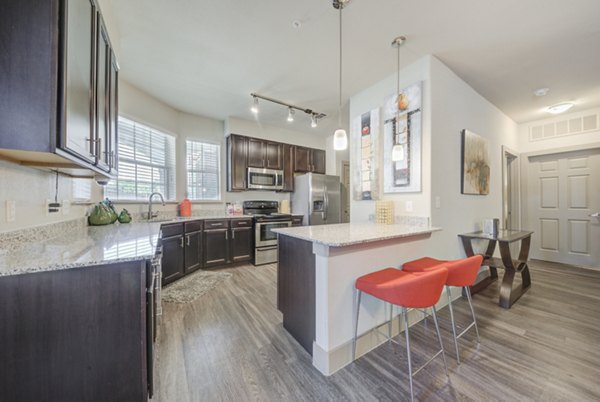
x=265 y=179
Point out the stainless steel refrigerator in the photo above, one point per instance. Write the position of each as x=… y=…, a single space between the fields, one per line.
x=318 y=198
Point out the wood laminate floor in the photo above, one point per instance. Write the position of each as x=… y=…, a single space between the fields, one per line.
x=229 y=345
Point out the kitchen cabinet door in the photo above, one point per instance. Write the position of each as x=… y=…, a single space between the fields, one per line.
x=193 y=251
x=256 y=153
x=216 y=247
x=80 y=61
x=242 y=244
x=237 y=162
x=318 y=161
x=102 y=140
x=302 y=160
x=288 y=167
x=113 y=114
x=172 y=259
x=273 y=155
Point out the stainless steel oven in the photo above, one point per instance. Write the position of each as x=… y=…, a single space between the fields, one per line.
x=265 y=241
x=265 y=179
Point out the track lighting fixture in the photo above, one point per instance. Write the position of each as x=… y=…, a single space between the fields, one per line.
x=254 y=108
x=314 y=116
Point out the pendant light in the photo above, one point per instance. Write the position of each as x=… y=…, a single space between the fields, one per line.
x=313 y=121
x=254 y=108
x=340 y=138
x=290 y=117
x=397 y=149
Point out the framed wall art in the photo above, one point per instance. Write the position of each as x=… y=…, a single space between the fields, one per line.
x=402 y=126
x=365 y=175
x=475 y=168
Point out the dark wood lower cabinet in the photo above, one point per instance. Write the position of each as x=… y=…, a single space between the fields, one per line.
x=173 y=258
x=193 y=251
x=74 y=335
x=216 y=247
x=242 y=244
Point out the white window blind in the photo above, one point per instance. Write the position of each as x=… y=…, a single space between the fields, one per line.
x=203 y=171
x=146 y=163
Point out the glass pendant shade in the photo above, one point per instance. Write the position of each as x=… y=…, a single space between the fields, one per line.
x=254 y=108
x=340 y=140
x=397 y=153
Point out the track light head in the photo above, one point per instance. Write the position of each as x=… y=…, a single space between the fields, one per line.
x=254 y=108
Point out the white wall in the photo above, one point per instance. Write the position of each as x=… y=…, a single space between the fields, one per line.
x=456 y=106
x=590 y=137
x=372 y=98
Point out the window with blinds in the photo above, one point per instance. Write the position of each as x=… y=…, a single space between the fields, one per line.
x=146 y=163
x=203 y=171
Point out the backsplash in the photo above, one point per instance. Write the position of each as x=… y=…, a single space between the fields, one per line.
x=29 y=188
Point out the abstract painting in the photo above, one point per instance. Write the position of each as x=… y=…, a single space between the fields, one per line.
x=475 y=164
x=365 y=175
x=402 y=126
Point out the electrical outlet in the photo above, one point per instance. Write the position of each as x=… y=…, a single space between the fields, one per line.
x=11 y=211
x=409 y=206
x=66 y=207
x=52 y=207
x=438 y=202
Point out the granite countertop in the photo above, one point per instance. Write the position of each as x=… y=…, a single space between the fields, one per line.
x=347 y=234
x=80 y=246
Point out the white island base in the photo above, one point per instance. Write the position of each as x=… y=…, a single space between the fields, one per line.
x=317 y=269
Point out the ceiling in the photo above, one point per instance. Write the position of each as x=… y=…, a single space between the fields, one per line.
x=205 y=57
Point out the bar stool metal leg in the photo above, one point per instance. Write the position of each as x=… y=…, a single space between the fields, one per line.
x=356 y=326
x=390 y=323
x=437 y=329
x=453 y=323
x=410 y=374
x=468 y=292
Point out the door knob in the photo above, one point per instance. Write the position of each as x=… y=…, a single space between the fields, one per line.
x=596 y=215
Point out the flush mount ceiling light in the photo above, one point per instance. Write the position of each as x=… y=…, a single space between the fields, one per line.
x=541 y=92
x=398 y=148
x=559 y=107
x=340 y=138
x=314 y=116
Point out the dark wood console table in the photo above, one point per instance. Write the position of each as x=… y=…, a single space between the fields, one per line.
x=508 y=295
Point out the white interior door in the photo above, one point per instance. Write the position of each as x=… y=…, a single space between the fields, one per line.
x=563 y=194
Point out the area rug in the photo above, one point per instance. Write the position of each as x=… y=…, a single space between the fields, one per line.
x=188 y=289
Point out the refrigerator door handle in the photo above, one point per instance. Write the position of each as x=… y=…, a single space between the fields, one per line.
x=326 y=206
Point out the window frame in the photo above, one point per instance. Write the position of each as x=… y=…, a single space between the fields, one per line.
x=156 y=129
x=219 y=198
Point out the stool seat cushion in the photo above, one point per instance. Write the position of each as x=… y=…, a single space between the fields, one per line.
x=412 y=290
x=461 y=272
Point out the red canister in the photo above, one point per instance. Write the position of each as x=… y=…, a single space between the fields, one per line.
x=185 y=208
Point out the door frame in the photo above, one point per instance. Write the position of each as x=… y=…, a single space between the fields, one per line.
x=510 y=154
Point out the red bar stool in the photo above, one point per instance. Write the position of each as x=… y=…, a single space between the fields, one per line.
x=461 y=273
x=407 y=290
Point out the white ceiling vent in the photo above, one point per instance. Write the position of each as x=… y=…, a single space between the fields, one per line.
x=560 y=128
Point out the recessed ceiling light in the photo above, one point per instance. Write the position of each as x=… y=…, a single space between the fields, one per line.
x=541 y=91
x=559 y=107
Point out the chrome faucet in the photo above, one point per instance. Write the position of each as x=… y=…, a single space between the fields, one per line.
x=150 y=213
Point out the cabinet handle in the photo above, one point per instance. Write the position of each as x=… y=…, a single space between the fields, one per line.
x=187 y=240
x=181 y=242
x=226 y=235
x=233 y=234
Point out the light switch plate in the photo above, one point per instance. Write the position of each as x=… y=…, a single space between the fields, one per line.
x=11 y=211
x=409 y=206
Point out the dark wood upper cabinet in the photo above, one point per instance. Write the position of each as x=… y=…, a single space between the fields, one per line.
x=273 y=155
x=318 y=160
x=302 y=159
x=237 y=162
x=56 y=83
x=256 y=153
x=288 y=167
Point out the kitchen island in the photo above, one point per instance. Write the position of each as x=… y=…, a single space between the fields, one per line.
x=315 y=280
